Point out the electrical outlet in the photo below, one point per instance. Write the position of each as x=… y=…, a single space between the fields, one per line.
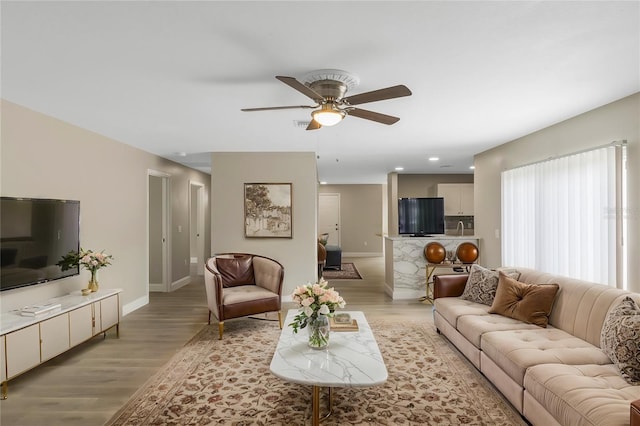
x=497 y=232
x=365 y=243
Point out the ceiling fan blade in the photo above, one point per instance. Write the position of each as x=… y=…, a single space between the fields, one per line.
x=313 y=125
x=292 y=82
x=378 y=95
x=373 y=116
x=278 y=107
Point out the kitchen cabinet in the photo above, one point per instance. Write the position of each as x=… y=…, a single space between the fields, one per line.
x=458 y=198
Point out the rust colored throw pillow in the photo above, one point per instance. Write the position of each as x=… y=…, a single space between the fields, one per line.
x=530 y=303
x=236 y=270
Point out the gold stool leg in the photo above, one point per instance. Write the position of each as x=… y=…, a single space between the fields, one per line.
x=220 y=329
x=280 y=319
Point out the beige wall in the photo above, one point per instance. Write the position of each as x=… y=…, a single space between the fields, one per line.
x=230 y=171
x=616 y=121
x=43 y=157
x=361 y=217
x=414 y=185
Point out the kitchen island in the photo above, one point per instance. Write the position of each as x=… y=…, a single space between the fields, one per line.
x=406 y=266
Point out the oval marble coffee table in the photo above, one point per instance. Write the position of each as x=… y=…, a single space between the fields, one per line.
x=352 y=359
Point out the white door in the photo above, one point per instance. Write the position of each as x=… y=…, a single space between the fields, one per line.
x=329 y=217
x=158 y=231
x=196 y=228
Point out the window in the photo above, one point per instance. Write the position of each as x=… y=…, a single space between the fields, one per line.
x=564 y=216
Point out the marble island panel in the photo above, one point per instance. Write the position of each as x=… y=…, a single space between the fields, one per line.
x=406 y=266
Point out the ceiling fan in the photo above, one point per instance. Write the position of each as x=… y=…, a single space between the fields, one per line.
x=327 y=88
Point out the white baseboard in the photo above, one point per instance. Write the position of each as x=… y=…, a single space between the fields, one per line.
x=406 y=293
x=180 y=283
x=361 y=254
x=157 y=287
x=136 y=304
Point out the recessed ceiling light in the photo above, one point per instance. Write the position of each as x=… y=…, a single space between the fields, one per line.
x=433 y=158
x=472 y=167
x=323 y=183
x=398 y=169
x=181 y=154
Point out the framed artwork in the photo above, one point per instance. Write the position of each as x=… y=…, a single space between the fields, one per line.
x=267 y=210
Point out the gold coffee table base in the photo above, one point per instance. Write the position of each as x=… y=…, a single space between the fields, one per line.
x=316 y=405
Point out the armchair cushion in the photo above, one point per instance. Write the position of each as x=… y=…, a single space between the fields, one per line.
x=237 y=270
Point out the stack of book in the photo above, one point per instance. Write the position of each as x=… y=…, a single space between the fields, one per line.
x=40 y=310
x=343 y=322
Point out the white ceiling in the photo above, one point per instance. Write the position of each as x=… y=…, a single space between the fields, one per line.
x=171 y=77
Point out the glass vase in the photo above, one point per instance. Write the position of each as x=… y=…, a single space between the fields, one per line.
x=93 y=283
x=318 y=332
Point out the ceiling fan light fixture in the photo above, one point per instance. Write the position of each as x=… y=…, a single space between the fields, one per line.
x=328 y=115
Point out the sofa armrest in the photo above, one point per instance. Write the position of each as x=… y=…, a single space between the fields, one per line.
x=451 y=285
x=635 y=413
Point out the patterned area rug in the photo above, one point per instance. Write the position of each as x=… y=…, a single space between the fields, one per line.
x=348 y=272
x=228 y=382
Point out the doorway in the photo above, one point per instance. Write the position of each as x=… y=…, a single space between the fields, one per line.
x=196 y=228
x=329 y=217
x=158 y=265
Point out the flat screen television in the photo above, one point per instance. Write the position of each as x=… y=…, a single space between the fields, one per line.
x=421 y=216
x=34 y=235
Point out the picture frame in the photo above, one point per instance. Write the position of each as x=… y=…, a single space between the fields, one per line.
x=268 y=210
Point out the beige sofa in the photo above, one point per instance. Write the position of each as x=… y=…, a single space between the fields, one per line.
x=557 y=375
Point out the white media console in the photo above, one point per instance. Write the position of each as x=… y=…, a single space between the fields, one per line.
x=26 y=342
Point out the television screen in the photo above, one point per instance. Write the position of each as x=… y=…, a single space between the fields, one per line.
x=34 y=235
x=421 y=216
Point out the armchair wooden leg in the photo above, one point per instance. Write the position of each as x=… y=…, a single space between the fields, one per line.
x=280 y=319
x=221 y=329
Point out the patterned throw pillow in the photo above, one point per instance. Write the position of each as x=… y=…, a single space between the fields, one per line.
x=620 y=339
x=481 y=285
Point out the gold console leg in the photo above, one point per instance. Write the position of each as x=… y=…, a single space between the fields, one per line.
x=220 y=329
x=280 y=319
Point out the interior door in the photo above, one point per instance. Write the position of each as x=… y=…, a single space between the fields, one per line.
x=196 y=231
x=158 y=231
x=329 y=217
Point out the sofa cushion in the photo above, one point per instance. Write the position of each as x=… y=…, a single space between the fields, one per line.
x=451 y=308
x=582 y=394
x=580 y=306
x=481 y=285
x=516 y=350
x=620 y=339
x=472 y=327
x=237 y=270
x=530 y=303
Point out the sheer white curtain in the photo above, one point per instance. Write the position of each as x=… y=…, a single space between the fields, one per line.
x=560 y=216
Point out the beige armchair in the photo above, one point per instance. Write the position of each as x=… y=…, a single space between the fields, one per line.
x=242 y=284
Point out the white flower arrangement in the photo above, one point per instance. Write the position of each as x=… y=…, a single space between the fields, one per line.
x=313 y=300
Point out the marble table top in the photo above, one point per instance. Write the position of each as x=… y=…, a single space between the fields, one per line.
x=352 y=359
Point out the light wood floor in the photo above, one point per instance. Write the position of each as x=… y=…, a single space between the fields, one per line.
x=88 y=384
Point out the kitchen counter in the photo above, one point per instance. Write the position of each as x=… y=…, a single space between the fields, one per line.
x=406 y=266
